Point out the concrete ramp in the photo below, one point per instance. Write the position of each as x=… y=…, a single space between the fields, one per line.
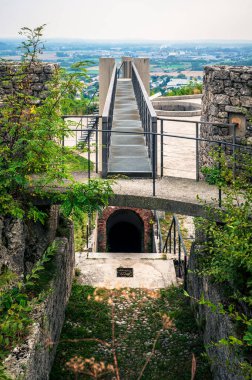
x=149 y=270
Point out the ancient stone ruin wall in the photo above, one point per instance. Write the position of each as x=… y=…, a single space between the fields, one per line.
x=22 y=243
x=39 y=75
x=145 y=215
x=216 y=326
x=33 y=359
x=227 y=97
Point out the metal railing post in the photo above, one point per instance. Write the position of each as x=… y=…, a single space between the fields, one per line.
x=162 y=149
x=104 y=146
x=154 y=164
x=179 y=256
x=96 y=145
x=185 y=271
x=219 y=168
x=233 y=150
x=89 y=161
x=197 y=152
x=174 y=236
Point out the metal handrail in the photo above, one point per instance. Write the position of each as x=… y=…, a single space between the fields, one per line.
x=148 y=118
x=144 y=92
x=174 y=236
x=120 y=68
x=107 y=119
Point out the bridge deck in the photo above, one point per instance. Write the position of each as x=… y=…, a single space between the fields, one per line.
x=128 y=153
x=178 y=195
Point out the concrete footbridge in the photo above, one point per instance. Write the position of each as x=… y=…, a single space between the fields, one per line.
x=175 y=195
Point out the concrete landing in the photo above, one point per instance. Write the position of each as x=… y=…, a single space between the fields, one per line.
x=128 y=153
x=149 y=270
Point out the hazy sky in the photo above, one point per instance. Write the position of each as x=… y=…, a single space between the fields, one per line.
x=131 y=19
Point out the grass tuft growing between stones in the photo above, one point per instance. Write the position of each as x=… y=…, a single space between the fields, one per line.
x=153 y=330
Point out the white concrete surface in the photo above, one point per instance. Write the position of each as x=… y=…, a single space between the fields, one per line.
x=100 y=270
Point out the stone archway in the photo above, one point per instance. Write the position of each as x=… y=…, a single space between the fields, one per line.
x=125 y=232
x=125 y=221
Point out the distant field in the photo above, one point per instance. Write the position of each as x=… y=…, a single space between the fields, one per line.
x=187 y=73
x=94 y=72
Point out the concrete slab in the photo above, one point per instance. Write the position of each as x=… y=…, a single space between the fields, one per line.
x=125 y=116
x=129 y=165
x=127 y=139
x=123 y=151
x=147 y=273
x=127 y=123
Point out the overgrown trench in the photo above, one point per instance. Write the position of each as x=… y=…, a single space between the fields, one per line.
x=155 y=336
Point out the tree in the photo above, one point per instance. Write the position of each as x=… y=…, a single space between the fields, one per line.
x=31 y=129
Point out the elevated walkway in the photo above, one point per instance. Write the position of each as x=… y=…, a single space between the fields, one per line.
x=128 y=154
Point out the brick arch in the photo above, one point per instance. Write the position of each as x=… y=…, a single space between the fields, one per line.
x=145 y=215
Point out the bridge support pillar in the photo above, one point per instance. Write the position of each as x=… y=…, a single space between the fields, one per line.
x=143 y=68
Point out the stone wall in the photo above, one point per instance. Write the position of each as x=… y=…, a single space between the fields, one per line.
x=34 y=358
x=145 y=215
x=39 y=75
x=23 y=242
x=227 y=97
x=223 y=359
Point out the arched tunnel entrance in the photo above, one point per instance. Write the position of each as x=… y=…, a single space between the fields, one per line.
x=125 y=232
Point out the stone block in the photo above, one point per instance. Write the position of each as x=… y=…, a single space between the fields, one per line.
x=230 y=91
x=235 y=101
x=246 y=101
x=246 y=77
x=221 y=74
x=233 y=109
x=245 y=91
x=222 y=99
x=37 y=87
x=235 y=77
x=222 y=115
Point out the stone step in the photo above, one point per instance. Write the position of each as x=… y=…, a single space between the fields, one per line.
x=125 y=116
x=123 y=151
x=127 y=124
x=119 y=255
x=130 y=166
x=127 y=139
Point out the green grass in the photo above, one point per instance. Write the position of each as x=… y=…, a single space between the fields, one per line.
x=74 y=162
x=138 y=318
x=7 y=277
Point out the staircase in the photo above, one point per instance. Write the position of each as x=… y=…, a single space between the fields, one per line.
x=89 y=130
x=128 y=153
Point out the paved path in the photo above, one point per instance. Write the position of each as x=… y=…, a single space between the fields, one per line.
x=149 y=270
x=179 y=154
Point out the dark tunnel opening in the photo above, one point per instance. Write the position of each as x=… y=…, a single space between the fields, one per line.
x=124 y=237
x=125 y=232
